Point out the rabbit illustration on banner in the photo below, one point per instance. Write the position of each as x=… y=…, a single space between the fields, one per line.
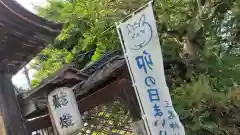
x=140 y=33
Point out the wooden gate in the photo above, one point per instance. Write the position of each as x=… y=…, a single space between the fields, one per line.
x=112 y=118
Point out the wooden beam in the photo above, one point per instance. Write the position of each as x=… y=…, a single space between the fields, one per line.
x=120 y=88
x=9 y=108
x=3 y=32
x=25 y=13
x=16 y=22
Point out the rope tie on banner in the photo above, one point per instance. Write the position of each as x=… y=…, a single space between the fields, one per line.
x=129 y=15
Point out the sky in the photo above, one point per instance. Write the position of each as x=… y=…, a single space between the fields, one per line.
x=29 y=4
x=19 y=79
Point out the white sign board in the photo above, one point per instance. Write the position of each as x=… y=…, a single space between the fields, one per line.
x=64 y=110
x=139 y=39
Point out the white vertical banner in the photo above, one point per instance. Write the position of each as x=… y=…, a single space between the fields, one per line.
x=64 y=110
x=140 y=42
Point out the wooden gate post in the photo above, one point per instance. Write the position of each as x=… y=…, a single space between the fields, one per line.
x=129 y=97
x=12 y=122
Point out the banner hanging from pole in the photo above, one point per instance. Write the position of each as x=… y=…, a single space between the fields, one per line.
x=140 y=42
x=64 y=110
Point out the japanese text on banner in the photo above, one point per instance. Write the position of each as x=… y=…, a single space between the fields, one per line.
x=143 y=52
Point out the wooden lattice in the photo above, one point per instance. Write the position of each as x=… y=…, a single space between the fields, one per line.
x=112 y=118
